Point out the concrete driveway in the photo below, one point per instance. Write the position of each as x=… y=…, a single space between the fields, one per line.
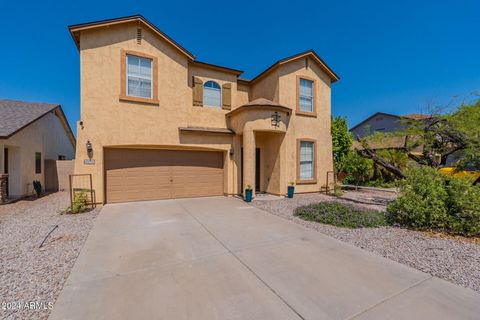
x=218 y=258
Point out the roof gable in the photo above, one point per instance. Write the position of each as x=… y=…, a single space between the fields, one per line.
x=77 y=28
x=373 y=116
x=16 y=115
x=411 y=116
x=309 y=53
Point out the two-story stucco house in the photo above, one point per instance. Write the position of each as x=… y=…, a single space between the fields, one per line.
x=159 y=124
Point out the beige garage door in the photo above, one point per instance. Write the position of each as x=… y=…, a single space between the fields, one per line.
x=146 y=174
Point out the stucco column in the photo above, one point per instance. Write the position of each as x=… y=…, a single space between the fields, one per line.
x=248 y=160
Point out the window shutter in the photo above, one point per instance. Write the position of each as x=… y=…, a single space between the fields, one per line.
x=227 y=96
x=197 y=92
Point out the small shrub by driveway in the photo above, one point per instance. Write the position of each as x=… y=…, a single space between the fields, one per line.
x=32 y=274
x=341 y=215
x=446 y=258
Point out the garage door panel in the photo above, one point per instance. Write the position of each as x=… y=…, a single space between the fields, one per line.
x=137 y=174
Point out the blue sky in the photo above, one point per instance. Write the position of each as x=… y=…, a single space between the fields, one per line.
x=396 y=57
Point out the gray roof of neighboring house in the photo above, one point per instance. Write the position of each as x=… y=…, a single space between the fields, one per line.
x=16 y=115
x=413 y=116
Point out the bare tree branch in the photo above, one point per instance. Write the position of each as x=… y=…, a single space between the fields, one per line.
x=368 y=152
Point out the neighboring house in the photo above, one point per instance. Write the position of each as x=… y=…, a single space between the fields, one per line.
x=384 y=123
x=30 y=134
x=157 y=124
x=390 y=123
x=387 y=123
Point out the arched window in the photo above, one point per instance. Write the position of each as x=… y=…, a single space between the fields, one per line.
x=212 y=94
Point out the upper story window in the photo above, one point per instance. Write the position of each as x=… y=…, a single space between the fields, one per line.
x=212 y=94
x=139 y=77
x=306 y=102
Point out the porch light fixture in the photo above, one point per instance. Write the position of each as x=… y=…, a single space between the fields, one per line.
x=232 y=152
x=276 y=119
x=89 y=149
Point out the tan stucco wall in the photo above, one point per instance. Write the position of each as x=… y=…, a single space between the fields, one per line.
x=317 y=128
x=266 y=87
x=242 y=94
x=46 y=135
x=109 y=122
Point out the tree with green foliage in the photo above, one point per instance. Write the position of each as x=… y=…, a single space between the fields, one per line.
x=466 y=122
x=341 y=140
x=356 y=167
x=438 y=136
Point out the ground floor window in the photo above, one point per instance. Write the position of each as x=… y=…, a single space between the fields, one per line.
x=38 y=162
x=62 y=157
x=306 y=160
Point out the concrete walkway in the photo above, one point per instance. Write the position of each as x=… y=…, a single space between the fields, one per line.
x=218 y=258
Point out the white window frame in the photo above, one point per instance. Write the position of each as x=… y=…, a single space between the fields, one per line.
x=138 y=76
x=313 y=177
x=220 y=91
x=312 y=97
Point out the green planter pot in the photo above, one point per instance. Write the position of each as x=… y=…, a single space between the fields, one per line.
x=248 y=195
x=291 y=191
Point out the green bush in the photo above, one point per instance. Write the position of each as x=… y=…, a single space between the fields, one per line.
x=357 y=168
x=422 y=203
x=431 y=200
x=341 y=215
x=463 y=205
x=80 y=202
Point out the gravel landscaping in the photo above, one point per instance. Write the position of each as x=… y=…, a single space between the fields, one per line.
x=32 y=274
x=450 y=259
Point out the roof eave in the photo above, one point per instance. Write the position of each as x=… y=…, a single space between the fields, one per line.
x=68 y=127
x=258 y=106
x=217 y=67
x=371 y=117
x=101 y=23
x=333 y=76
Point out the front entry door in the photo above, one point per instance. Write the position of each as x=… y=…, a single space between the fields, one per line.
x=257 y=169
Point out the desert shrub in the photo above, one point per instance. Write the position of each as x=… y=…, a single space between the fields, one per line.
x=341 y=215
x=463 y=205
x=431 y=200
x=80 y=202
x=422 y=203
